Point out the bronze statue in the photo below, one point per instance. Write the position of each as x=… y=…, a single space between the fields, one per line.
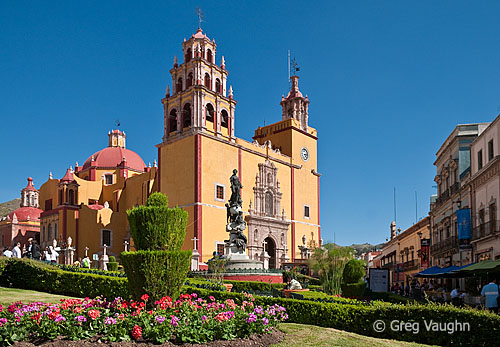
x=235 y=223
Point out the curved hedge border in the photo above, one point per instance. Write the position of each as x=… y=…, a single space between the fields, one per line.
x=31 y=274
x=484 y=326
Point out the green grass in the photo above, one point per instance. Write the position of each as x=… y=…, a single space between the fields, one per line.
x=10 y=295
x=298 y=335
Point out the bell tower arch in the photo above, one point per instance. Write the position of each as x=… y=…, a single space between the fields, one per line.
x=199 y=99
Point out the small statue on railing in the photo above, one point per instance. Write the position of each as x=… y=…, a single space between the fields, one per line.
x=235 y=223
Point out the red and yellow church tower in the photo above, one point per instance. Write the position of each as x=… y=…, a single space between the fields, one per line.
x=278 y=169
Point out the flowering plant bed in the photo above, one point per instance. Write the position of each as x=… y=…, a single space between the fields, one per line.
x=189 y=319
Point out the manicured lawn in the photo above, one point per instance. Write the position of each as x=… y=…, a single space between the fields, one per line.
x=10 y=295
x=310 y=335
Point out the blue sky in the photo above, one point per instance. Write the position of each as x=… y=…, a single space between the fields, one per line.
x=387 y=80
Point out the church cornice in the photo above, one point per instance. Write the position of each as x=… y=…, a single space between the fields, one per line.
x=243 y=148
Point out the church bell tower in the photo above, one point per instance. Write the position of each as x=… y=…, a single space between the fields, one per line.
x=295 y=106
x=199 y=99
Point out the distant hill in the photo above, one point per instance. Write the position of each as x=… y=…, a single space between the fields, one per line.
x=9 y=206
x=366 y=247
x=359 y=248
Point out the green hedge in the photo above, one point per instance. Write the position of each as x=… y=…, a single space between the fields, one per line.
x=353 y=290
x=157 y=273
x=484 y=326
x=31 y=274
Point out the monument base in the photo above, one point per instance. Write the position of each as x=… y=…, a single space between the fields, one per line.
x=238 y=260
x=255 y=277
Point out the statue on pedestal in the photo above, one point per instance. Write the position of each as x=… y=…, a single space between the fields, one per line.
x=236 y=225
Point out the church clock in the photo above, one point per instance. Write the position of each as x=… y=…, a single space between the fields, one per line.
x=304 y=153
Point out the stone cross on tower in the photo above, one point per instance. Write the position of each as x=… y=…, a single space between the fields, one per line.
x=264 y=243
x=125 y=244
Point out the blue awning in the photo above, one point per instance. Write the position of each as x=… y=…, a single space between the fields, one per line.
x=429 y=272
x=436 y=271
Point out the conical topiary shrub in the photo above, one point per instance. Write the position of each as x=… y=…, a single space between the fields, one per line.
x=158 y=267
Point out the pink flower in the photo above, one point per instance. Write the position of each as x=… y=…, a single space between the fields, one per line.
x=145 y=297
x=174 y=321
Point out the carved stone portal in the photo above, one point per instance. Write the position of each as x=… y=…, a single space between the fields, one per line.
x=267 y=224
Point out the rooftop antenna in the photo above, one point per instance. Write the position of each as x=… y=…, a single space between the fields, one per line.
x=201 y=16
x=289 y=66
x=394 y=204
x=416 y=208
x=117 y=122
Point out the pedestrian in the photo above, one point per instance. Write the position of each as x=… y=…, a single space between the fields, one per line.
x=86 y=262
x=7 y=252
x=491 y=293
x=53 y=254
x=402 y=289
x=46 y=254
x=35 y=250
x=407 y=289
x=16 y=251
x=27 y=252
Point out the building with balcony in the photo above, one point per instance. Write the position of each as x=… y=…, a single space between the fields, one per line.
x=452 y=179
x=485 y=193
x=406 y=253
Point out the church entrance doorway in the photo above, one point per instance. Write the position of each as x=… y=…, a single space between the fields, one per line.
x=271 y=250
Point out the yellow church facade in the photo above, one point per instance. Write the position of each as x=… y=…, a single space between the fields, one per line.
x=196 y=157
x=278 y=170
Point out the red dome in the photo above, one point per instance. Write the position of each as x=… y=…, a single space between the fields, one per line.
x=111 y=157
x=22 y=213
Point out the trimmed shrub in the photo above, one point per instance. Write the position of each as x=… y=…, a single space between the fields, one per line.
x=158 y=268
x=112 y=264
x=157 y=273
x=353 y=271
x=157 y=227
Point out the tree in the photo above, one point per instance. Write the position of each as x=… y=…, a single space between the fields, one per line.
x=158 y=267
x=354 y=271
x=329 y=263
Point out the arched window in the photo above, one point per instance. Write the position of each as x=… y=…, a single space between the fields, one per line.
x=269 y=204
x=210 y=116
x=189 y=54
x=209 y=56
x=189 y=81
x=61 y=197
x=179 y=85
x=224 y=122
x=208 y=83
x=218 y=86
x=71 y=197
x=186 y=116
x=172 y=120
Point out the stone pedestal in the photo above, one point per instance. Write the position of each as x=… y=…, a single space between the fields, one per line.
x=195 y=260
x=69 y=254
x=265 y=260
x=238 y=260
x=103 y=262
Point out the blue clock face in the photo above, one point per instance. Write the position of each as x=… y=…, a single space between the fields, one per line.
x=304 y=153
